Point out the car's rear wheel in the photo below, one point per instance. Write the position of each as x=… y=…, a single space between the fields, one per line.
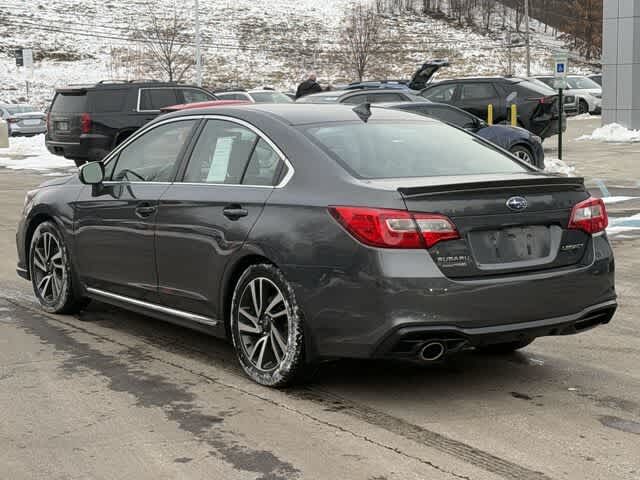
x=523 y=153
x=266 y=326
x=52 y=276
x=507 y=347
x=583 y=107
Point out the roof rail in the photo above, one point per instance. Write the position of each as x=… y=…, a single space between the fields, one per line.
x=115 y=80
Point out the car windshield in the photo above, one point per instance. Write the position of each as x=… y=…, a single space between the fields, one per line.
x=270 y=97
x=408 y=149
x=21 y=109
x=581 y=83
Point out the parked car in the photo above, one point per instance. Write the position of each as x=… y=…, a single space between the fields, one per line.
x=87 y=122
x=212 y=103
x=261 y=95
x=588 y=93
x=596 y=77
x=306 y=232
x=23 y=119
x=357 y=96
x=570 y=101
x=520 y=142
x=537 y=107
x=419 y=80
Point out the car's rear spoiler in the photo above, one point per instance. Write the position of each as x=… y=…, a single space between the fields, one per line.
x=72 y=90
x=543 y=183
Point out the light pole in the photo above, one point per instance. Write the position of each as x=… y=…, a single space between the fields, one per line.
x=526 y=26
x=198 y=56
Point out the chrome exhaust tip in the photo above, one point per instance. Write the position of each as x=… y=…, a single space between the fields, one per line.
x=432 y=351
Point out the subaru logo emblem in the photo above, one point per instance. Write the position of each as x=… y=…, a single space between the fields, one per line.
x=517 y=203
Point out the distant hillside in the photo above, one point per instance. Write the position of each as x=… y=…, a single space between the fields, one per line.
x=250 y=42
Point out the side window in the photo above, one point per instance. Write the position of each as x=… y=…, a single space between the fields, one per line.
x=477 y=91
x=232 y=96
x=441 y=93
x=355 y=99
x=264 y=165
x=152 y=157
x=107 y=100
x=385 y=97
x=157 y=98
x=192 y=95
x=221 y=153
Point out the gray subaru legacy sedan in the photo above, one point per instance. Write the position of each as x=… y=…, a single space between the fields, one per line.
x=311 y=232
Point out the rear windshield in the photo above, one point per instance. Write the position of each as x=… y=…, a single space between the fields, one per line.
x=407 y=149
x=270 y=97
x=537 y=87
x=20 y=109
x=107 y=100
x=581 y=82
x=69 y=103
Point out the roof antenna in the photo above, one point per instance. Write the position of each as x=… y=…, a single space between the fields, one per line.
x=363 y=111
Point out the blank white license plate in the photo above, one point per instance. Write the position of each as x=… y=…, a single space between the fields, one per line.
x=32 y=121
x=62 y=125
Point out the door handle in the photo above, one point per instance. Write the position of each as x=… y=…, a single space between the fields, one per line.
x=145 y=209
x=234 y=212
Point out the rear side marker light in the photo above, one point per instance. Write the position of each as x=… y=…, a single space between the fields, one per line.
x=385 y=228
x=589 y=216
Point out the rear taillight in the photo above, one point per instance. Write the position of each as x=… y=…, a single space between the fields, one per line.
x=589 y=216
x=85 y=123
x=49 y=121
x=384 y=228
x=544 y=100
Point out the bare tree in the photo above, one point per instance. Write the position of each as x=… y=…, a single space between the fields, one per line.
x=361 y=38
x=166 y=40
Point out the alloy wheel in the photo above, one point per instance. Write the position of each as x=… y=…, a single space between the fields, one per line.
x=263 y=324
x=523 y=155
x=49 y=270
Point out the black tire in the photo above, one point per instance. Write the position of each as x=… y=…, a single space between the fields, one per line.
x=259 y=327
x=505 y=348
x=523 y=153
x=583 y=107
x=48 y=256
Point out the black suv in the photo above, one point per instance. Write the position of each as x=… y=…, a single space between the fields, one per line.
x=537 y=105
x=87 y=122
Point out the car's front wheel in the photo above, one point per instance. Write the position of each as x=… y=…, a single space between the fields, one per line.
x=266 y=326
x=51 y=271
x=583 y=107
x=523 y=153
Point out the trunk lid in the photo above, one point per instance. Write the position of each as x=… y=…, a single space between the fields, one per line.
x=422 y=76
x=507 y=225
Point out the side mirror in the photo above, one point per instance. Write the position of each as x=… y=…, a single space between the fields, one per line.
x=91 y=173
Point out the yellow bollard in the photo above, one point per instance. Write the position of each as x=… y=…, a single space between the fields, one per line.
x=514 y=115
x=490 y=114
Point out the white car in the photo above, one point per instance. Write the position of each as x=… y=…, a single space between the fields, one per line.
x=262 y=95
x=587 y=92
x=23 y=119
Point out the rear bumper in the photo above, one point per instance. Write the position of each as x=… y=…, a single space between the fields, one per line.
x=355 y=313
x=405 y=342
x=17 y=130
x=90 y=147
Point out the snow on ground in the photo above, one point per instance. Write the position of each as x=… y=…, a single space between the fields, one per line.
x=555 y=165
x=623 y=224
x=30 y=153
x=613 y=133
x=583 y=116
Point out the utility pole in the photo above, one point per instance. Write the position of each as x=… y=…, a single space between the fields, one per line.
x=526 y=26
x=198 y=55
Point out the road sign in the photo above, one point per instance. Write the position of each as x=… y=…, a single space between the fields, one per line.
x=560 y=70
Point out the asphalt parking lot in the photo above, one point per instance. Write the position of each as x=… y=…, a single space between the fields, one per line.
x=112 y=395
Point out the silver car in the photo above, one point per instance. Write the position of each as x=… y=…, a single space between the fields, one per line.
x=23 y=119
x=588 y=94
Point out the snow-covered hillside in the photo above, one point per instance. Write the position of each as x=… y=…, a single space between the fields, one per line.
x=246 y=42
